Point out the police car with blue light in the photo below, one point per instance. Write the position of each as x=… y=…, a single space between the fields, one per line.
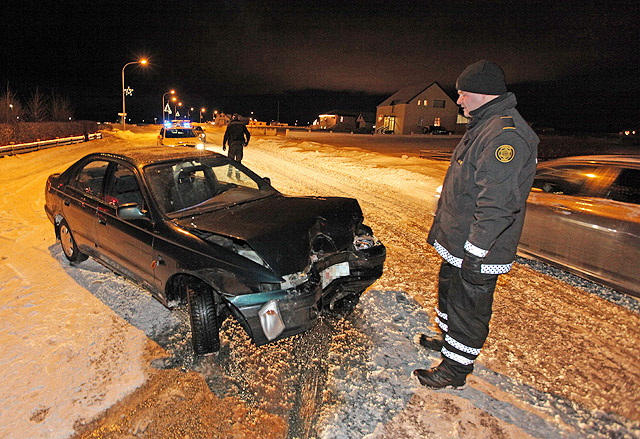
x=180 y=133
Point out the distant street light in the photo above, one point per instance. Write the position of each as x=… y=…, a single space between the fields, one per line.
x=202 y=110
x=124 y=112
x=163 y=108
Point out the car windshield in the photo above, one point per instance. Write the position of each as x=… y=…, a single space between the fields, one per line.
x=177 y=133
x=204 y=184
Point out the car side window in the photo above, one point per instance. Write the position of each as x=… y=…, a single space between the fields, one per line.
x=90 y=179
x=626 y=188
x=574 y=180
x=123 y=188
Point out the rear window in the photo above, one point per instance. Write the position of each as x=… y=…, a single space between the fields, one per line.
x=89 y=179
x=176 y=133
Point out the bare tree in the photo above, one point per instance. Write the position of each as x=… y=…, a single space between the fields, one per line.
x=38 y=107
x=11 y=109
x=60 y=108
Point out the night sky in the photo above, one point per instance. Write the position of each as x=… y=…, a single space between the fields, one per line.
x=572 y=64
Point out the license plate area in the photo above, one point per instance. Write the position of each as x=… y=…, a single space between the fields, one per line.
x=334 y=272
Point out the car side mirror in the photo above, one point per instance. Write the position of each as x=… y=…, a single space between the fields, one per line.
x=130 y=211
x=267 y=179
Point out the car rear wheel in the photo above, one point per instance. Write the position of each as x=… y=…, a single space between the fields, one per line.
x=204 y=319
x=69 y=247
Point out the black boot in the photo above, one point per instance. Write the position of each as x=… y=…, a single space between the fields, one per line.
x=441 y=377
x=432 y=343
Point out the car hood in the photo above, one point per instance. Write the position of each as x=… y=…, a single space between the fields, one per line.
x=284 y=230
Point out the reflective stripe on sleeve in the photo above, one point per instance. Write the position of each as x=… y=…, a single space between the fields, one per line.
x=457 y=262
x=476 y=251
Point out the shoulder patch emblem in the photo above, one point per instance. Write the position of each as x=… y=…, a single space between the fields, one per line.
x=505 y=153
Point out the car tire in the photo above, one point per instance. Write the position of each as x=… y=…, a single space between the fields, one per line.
x=68 y=242
x=205 y=330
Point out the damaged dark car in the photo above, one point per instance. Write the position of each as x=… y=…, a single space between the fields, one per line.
x=201 y=231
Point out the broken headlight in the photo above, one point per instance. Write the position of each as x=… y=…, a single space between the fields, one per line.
x=239 y=247
x=293 y=280
x=364 y=242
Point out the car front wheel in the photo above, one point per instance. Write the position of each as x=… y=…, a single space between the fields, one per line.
x=204 y=319
x=69 y=247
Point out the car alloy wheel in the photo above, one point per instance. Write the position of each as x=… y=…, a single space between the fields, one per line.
x=68 y=243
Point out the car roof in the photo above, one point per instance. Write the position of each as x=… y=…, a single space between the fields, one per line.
x=620 y=159
x=141 y=156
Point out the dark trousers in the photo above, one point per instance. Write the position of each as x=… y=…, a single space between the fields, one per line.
x=464 y=312
x=235 y=150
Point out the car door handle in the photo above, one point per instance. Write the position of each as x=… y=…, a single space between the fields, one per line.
x=67 y=202
x=102 y=220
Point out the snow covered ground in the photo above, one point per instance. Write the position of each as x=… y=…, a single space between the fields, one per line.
x=561 y=360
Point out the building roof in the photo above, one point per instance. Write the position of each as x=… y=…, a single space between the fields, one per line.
x=343 y=113
x=405 y=95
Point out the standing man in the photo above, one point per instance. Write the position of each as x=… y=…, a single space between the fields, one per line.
x=479 y=219
x=237 y=136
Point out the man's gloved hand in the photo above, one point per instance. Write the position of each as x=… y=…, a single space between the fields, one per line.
x=224 y=148
x=471 y=265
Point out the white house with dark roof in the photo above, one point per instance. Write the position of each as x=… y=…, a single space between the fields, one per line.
x=411 y=109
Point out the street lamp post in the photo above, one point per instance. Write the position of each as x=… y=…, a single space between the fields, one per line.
x=169 y=92
x=202 y=110
x=124 y=113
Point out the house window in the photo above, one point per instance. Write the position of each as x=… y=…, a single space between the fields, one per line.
x=426 y=102
x=438 y=103
x=419 y=102
x=436 y=122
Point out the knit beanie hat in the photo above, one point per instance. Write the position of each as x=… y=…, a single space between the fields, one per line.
x=483 y=77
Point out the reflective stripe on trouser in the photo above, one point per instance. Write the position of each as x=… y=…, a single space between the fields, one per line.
x=468 y=312
x=444 y=277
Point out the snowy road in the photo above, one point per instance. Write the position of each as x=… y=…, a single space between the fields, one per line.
x=559 y=361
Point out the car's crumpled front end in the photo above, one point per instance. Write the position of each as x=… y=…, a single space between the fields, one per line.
x=332 y=282
x=320 y=254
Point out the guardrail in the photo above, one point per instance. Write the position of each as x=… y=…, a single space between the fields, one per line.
x=44 y=144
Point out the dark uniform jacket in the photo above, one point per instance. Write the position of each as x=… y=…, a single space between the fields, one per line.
x=236 y=132
x=482 y=204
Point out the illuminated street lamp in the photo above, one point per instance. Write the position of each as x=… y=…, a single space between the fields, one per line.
x=129 y=90
x=163 y=107
x=202 y=110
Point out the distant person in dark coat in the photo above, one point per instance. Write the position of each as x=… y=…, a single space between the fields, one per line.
x=479 y=219
x=237 y=136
